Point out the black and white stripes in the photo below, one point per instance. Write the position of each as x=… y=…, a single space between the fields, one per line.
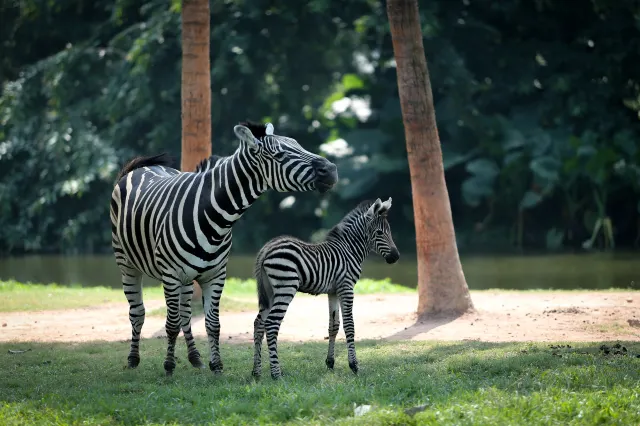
x=176 y=227
x=286 y=265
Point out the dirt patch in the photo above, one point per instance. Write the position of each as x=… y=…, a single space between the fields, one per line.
x=500 y=316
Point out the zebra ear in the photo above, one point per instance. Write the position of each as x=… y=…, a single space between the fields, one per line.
x=373 y=210
x=269 y=129
x=244 y=134
x=384 y=208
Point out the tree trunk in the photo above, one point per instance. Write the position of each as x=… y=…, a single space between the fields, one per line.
x=196 y=83
x=442 y=287
x=196 y=89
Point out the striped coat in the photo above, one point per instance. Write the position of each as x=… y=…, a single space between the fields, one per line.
x=287 y=265
x=177 y=227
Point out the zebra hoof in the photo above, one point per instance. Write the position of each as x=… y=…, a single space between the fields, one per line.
x=133 y=361
x=169 y=366
x=256 y=375
x=277 y=375
x=354 y=366
x=330 y=363
x=196 y=361
x=215 y=367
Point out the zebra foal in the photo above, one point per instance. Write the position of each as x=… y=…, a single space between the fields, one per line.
x=176 y=227
x=286 y=265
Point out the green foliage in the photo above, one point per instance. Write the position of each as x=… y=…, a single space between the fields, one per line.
x=531 y=141
x=454 y=383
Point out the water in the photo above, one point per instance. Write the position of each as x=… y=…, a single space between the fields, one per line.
x=567 y=271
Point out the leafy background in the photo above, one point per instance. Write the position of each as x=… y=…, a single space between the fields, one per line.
x=537 y=106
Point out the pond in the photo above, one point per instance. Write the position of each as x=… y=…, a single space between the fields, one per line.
x=565 y=271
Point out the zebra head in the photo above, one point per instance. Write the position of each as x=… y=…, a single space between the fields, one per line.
x=284 y=164
x=379 y=231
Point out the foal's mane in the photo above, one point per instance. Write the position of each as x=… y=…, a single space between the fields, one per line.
x=349 y=217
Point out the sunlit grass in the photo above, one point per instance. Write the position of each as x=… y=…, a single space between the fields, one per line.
x=238 y=295
x=459 y=383
x=368 y=286
x=15 y=296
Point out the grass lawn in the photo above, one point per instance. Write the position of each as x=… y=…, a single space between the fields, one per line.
x=16 y=296
x=238 y=295
x=467 y=383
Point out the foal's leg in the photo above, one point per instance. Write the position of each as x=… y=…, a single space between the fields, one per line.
x=172 y=295
x=132 y=286
x=346 y=303
x=283 y=295
x=186 y=295
x=334 y=326
x=258 y=335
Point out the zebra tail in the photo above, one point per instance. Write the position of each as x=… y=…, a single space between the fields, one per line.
x=265 y=291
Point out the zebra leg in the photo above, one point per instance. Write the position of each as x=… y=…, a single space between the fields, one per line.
x=258 y=335
x=132 y=286
x=186 y=295
x=172 y=295
x=346 y=303
x=281 y=301
x=334 y=326
x=212 y=291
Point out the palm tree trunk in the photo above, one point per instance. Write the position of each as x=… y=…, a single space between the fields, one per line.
x=442 y=287
x=196 y=83
x=196 y=90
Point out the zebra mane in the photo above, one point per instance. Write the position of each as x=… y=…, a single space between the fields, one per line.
x=359 y=210
x=207 y=163
x=259 y=130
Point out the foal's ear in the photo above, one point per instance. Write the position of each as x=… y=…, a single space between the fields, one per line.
x=373 y=210
x=244 y=134
x=384 y=207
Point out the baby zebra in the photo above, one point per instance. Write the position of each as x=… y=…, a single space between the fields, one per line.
x=286 y=265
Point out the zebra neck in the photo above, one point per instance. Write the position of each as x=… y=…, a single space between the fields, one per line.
x=355 y=242
x=230 y=187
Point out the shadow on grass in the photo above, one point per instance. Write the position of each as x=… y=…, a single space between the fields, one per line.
x=87 y=382
x=423 y=325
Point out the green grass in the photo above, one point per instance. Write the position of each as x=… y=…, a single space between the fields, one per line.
x=367 y=286
x=467 y=383
x=15 y=296
x=238 y=295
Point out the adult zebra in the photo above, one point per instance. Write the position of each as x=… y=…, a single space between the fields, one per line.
x=176 y=227
x=286 y=265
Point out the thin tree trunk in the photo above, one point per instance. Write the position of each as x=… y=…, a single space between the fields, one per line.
x=196 y=83
x=442 y=287
x=196 y=89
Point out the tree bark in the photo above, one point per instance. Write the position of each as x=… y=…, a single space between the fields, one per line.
x=196 y=90
x=442 y=287
x=196 y=83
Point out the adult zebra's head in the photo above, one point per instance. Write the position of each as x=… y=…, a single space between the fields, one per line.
x=379 y=231
x=284 y=164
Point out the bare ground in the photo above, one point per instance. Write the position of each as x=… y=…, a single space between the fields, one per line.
x=499 y=316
